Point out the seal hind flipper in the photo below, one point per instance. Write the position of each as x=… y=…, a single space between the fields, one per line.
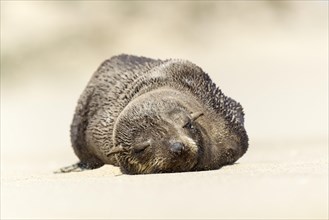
x=80 y=166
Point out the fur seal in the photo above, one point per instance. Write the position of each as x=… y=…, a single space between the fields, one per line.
x=153 y=116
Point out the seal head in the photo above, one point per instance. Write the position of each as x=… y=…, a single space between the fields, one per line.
x=157 y=137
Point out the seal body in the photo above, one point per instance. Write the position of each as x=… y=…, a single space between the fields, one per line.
x=153 y=116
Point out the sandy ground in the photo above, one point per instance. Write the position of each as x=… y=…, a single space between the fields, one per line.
x=270 y=182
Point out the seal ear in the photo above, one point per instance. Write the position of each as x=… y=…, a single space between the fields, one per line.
x=141 y=146
x=196 y=115
x=115 y=150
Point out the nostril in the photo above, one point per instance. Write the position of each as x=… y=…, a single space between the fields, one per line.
x=177 y=147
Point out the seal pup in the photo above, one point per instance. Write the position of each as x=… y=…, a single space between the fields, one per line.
x=153 y=116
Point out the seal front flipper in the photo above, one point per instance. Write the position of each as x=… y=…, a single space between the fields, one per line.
x=80 y=166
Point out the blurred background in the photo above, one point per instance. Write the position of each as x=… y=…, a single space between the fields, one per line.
x=271 y=56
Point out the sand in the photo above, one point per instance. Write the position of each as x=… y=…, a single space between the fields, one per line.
x=269 y=182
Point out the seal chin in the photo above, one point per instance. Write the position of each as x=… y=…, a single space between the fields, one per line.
x=181 y=161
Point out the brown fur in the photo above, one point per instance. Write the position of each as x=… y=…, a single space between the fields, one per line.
x=150 y=116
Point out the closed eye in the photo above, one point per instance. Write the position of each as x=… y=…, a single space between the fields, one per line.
x=189 y=125
x=138 y=148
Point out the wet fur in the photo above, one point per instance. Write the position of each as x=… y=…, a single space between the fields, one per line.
x=131 y=95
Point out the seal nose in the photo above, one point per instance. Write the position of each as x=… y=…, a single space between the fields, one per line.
x=176 y=147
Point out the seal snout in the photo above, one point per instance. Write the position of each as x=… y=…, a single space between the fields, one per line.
x=177 y=147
